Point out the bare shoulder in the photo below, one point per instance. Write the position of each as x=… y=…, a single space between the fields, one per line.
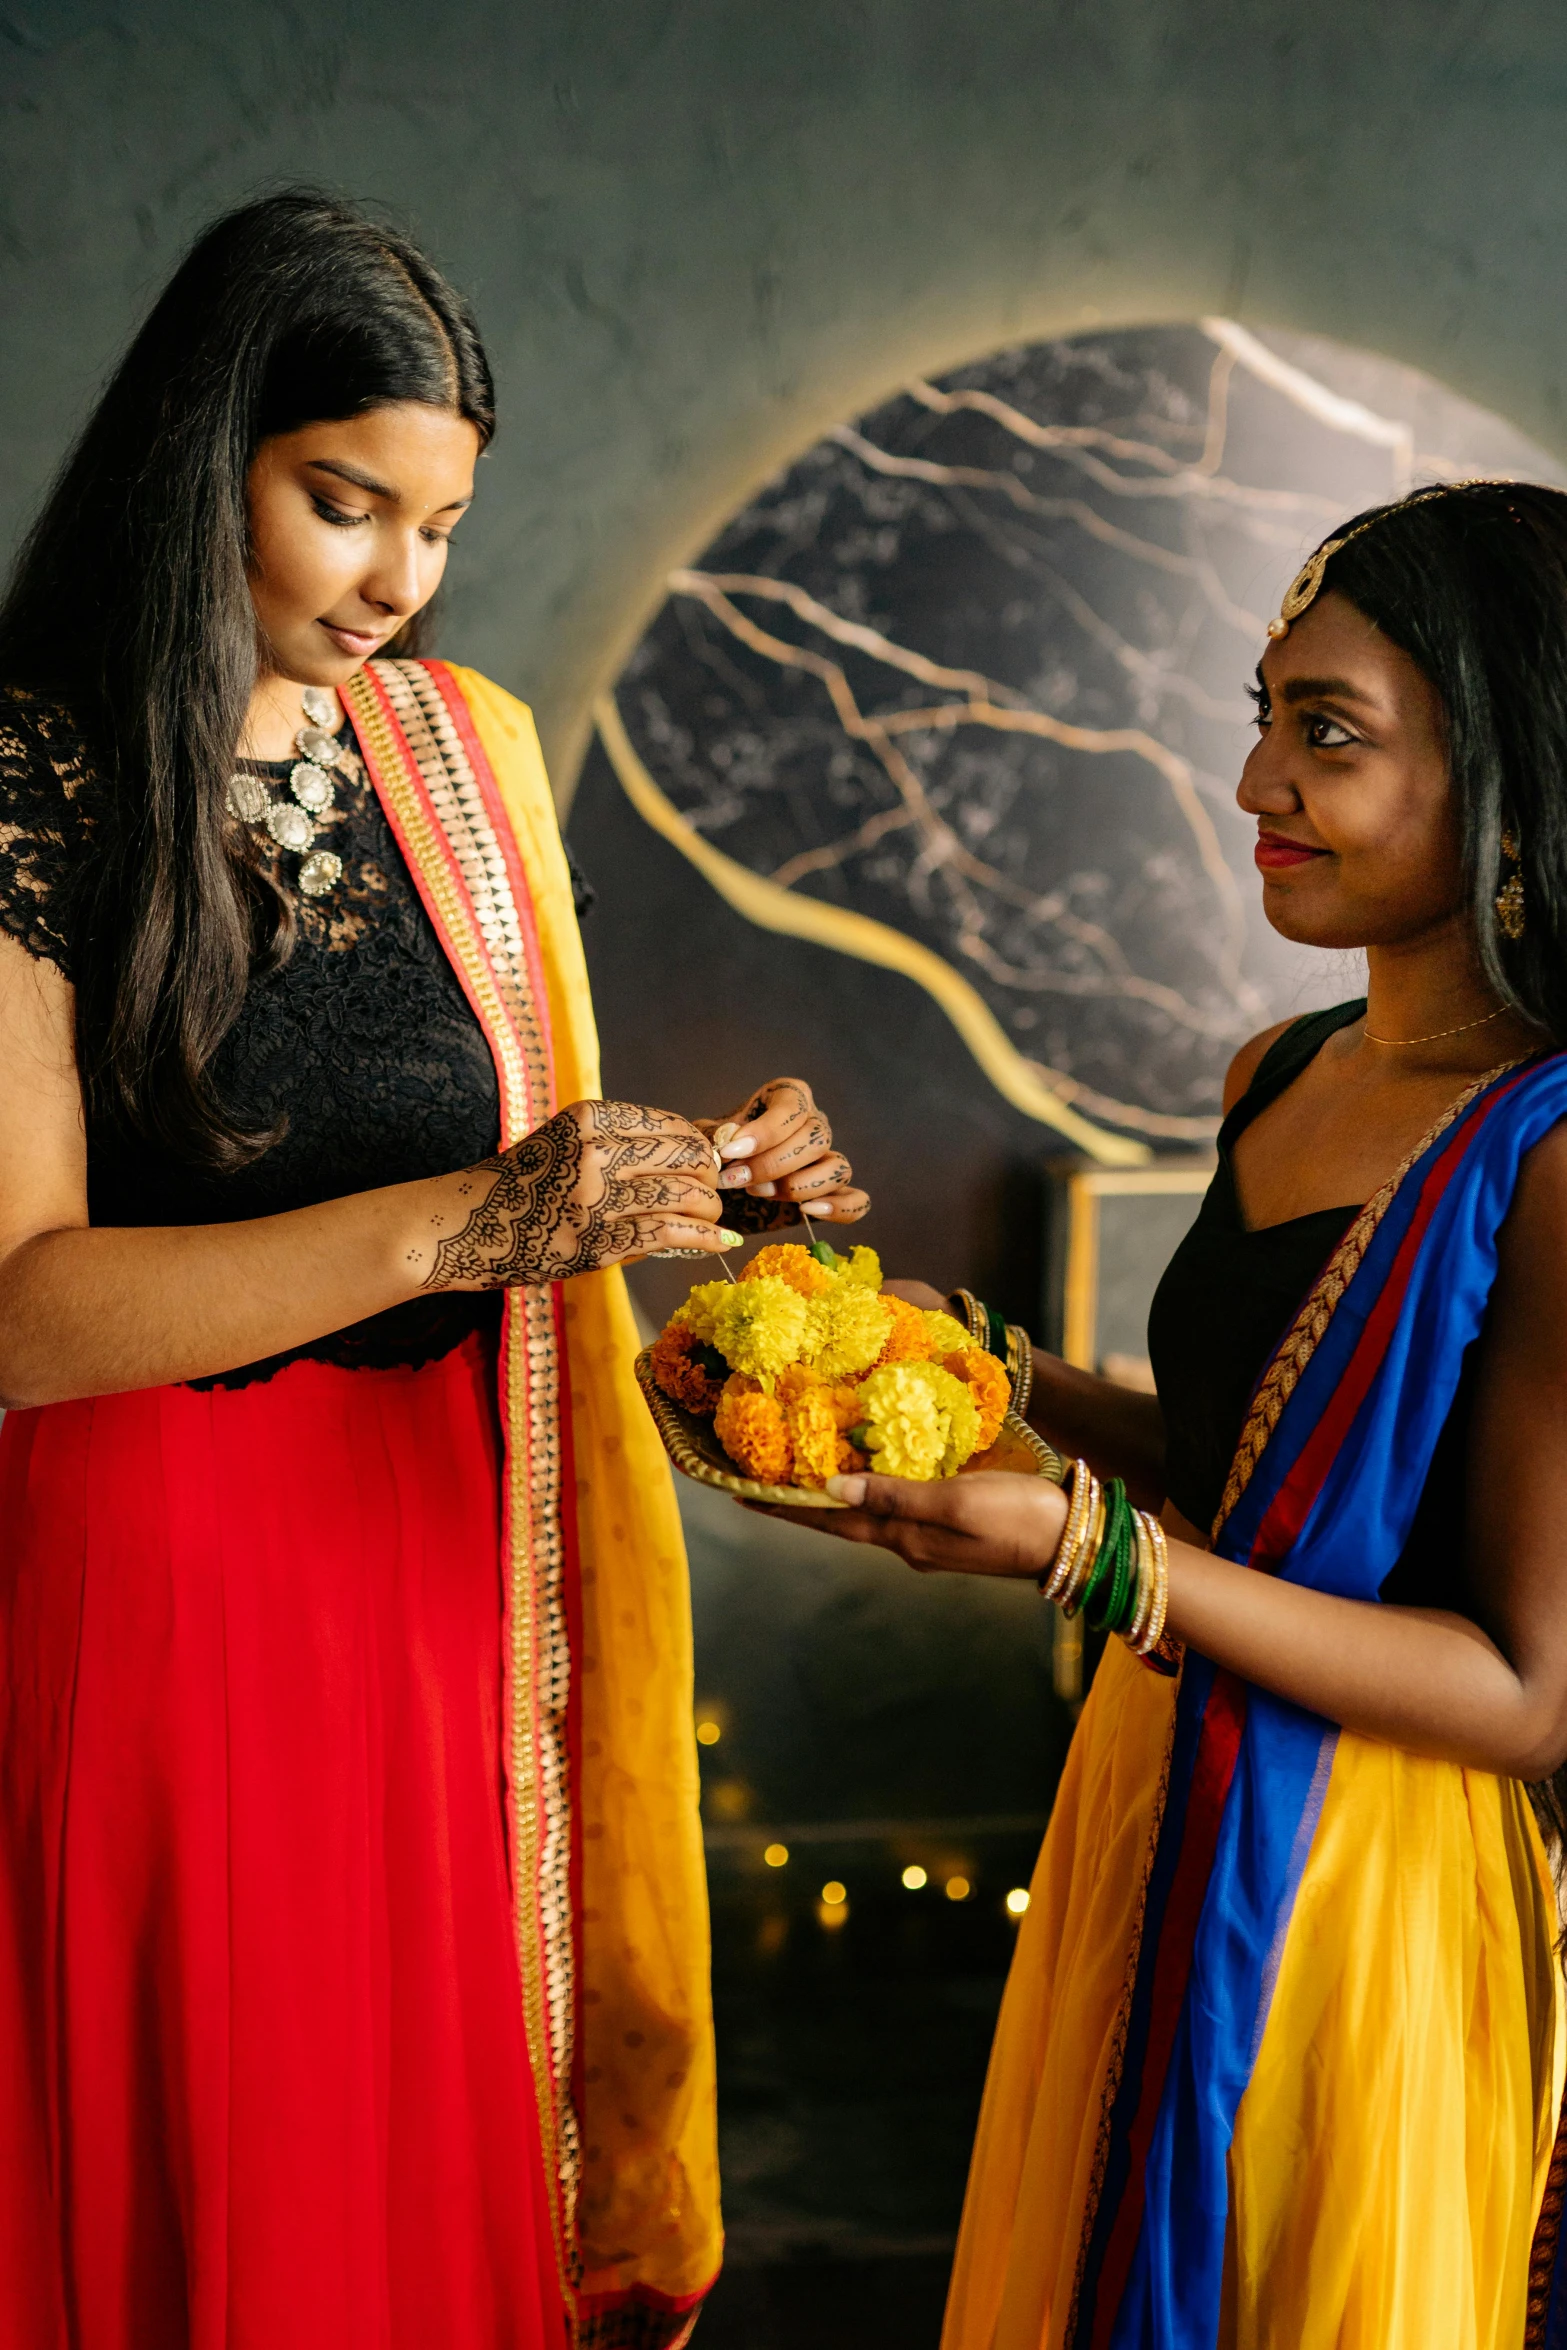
x=1243 y=1068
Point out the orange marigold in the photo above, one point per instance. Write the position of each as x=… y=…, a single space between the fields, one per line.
x=813 y=1431
x=787 y=1261
x=793 y=1381
x=753 y=1431
x=984 y=1375
x=848 y=1407
x=681 y=1376
x=908 y=1341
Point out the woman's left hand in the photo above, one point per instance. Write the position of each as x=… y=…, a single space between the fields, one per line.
x=777 y=1153
x=994 y=1522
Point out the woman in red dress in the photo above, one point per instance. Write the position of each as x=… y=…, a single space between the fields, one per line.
x=352 y=1947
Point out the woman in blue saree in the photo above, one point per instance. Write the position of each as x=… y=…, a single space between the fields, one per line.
x=1280 y=2061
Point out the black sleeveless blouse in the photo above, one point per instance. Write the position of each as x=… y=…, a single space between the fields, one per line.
x=364 y=1041
x=1227 y=1297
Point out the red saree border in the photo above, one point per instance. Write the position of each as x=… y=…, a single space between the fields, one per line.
x=436 y=788
x=461 y=720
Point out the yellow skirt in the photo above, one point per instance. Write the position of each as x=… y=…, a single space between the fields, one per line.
x=1390 y=2150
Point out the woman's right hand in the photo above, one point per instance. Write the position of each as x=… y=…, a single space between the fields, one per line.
x=598 y=1183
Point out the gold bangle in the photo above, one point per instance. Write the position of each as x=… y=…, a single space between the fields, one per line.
x=1142 y=1581
x=1083 y=1564
x=1056 y=1575
x=1020 y=1366
x=1144 y=1637
x=1155 y=1634
x=974 y=1314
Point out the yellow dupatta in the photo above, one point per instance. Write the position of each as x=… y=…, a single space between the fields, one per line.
x=608 y=1878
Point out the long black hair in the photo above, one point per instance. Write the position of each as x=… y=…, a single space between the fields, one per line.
x=129 y=605
x=1472 y=583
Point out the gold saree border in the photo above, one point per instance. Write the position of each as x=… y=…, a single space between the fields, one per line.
x=425 y=776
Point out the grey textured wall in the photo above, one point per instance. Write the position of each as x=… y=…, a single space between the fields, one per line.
x=700 y=231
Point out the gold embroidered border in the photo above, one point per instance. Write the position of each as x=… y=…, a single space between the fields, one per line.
x=429 y=781
x=1306 y=1332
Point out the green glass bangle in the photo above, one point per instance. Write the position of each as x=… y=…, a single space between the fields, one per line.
x=1123 y=1592
x=998 y=1333
x=1117 y=1554
x=1103 y=1569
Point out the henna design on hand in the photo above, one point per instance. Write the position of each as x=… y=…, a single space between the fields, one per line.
x=564 y=1200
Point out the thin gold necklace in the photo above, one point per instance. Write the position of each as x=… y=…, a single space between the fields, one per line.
x=1437 y=1034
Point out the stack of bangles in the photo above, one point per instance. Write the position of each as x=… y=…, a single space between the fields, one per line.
x=1113 y=1563
x=1009 y=1342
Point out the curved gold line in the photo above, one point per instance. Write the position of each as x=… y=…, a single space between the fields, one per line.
x=793 y=916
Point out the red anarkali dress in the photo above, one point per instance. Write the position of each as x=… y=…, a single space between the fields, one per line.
x=291 y=1891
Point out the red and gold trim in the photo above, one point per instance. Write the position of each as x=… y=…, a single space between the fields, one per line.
x=441 y=801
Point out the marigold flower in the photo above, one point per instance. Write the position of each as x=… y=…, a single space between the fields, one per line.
x=680 y=1373
x=847 y=1405
x=753 y=1431
x=760 y=1326
x=919 y=1420
x=948 y=1337
x=986 y=1380
x=863 y=1265
x=908 y=1341
x=697 y=1314
x=848 y=1329
x=813 y=1432
x=794 y=1381
x=786 y=1261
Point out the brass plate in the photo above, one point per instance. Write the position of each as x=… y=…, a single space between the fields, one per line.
x=697 y=1453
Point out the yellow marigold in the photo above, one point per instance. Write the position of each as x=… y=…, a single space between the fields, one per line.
x=787 y=1261
x=752 y=1430
x=919 y=1421
x=987 y=1382
x=680 y=1374
x=698 y=1312
x=848 y=1329
x=760 y=1326
x=813 y=1432
x=908 y=1341
x=947 y=1336
x=863 y=1265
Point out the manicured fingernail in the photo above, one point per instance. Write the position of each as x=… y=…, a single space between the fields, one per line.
x=729 y=1239
x=726 y=1132
x=741 y=1149
x=732 y=1176
x=849 y=1489
x=763 y=1190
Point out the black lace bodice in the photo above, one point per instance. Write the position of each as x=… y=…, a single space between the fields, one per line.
x=364 y=1039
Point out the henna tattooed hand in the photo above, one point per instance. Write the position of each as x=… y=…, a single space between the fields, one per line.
x=777 y=1152
x=597 y=1183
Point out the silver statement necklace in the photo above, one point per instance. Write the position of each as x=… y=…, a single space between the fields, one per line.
x=292 y=822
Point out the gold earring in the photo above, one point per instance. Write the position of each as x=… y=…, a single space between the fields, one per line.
x=1509 y=900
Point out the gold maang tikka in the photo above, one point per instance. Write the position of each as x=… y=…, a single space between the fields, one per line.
x=1306 y=585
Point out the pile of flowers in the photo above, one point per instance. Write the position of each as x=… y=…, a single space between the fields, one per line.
x=806 y=1369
